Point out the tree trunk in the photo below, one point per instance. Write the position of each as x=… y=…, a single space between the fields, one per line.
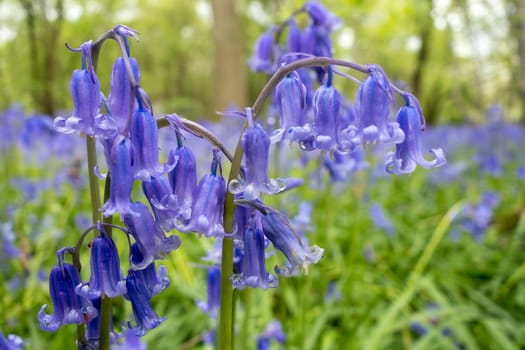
x=229 y=70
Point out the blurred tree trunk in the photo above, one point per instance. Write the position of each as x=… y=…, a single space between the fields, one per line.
x=229 y=70
x=43 y=35
x=516 y=18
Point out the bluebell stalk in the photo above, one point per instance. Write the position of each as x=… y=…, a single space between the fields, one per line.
x=213 y=279
x=106 y=277
x=374 y=102
x=150 y=240
x=408 y=154
x=253 y=268
x=278 y=229
x=84 y=88
x=13 y=342
x=207 y=212
x=139 y=296
x=68 y=307
x=256 y=145
x=144 y=137
x=121 y=165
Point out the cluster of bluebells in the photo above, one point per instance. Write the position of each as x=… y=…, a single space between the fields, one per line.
x=322 y=118
x=125 y=126
x=11 y=342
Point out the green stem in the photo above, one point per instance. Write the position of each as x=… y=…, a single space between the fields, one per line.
x=226 y=316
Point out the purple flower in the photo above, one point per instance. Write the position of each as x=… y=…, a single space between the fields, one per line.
x=373 y=106
x=183 y=181
x=256 y=144
x=290 y=97
x=85 y=91
x=261 y=60
x=321 y=16
x=213 y=279
x=68 y=307
x=273 y=331
x=408 y=153
x=151 y=241
x=8 y=238
x=139 y=296
x=279 y=231
x=380 y=220
x=153 y=281
x=121 y=165
x=122 y=101
x=207 y=213
x=106 y=277
x=253 y=268
x=327 y=106
x=131 y=341
x=158 y=192
x=144 y=137
x=13 y=342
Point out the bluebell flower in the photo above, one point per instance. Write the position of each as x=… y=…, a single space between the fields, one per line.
x=408 y=153
x=253 y=267
x=144 y=137
x=294 y=37
x=151 y=241
x=374 y=102
x=256 y=145
x=9 y=249
x=273 y=331
x=320 y=15
x=13 y=342
x=476 y=218
x=207 y=212
x=129 y=340
x=213 y=283
x=343 y=164
x=121 y=165
x=84 y=88
x=122 y=101
x=278 y=229
x=68 y=307
x=381 y=221
x=154 y=282
x=262 y=58
x=139 y=296
x=161 y=199
x=327 y=107
x=106 y=277
x=183 y=182
x=290 y=97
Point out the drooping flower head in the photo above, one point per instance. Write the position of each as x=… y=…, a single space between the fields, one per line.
x=139 y=296
x=256 y=145
x=327 y=107
x=262 y=58
x=213 y=279
x=273 y=331
x=84 y=88
x=278 y=229
x=122 y=101
x=182 y=179
x=161 y=199
x=409 y=154
x=13 y=342
x=144 y=137
x=154 y=281
x=121 y=164
x=150 y=240
x=68 y=307
x=374 y=101
x=252 y=271
x=207 y=213
x=106 y=277
x=320 y=15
